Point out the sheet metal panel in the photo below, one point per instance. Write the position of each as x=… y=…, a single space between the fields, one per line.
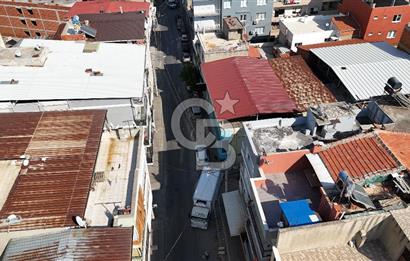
x=365 y=68
x=49 y=193
x=248 y=81
x=105 y=243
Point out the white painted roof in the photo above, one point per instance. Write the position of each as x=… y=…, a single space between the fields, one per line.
x=63 y=75
x=308 y=24
x=368 y=66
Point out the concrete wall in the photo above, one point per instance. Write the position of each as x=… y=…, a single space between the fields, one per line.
x=209 y=57
x=250 y=11
x=17 y=21
x=335 y=233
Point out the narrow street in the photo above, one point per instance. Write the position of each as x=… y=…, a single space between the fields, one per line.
x=173 y=174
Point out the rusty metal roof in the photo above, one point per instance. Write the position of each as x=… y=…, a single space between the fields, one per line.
x=246 y=86
x=361 y=157
x=300 y=82
x=62 y=149
x=102 y=243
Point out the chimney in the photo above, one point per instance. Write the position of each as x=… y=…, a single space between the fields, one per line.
x=121 y=11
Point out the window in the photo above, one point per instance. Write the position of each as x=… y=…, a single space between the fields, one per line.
x=379 y=33
x=243 y=3
x=260 y=2
x=38 y=34
x=375 y=17
x=370 y=34
x=242 y=17
x=391 y=34
x=23 y=21
x=260 y=16
x=19 y=10
x=259 y=30
x=34 y=23
x=30 y=11
x=396 y=18
x=297 y=44
x=227 y=4
x=27 y=33
x=385 y=17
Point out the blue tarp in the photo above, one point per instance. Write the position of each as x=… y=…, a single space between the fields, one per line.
x=298 y=213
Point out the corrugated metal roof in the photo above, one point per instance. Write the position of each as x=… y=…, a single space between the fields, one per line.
x=365 y=68
x=248 y=81
x=107 y=6
x=104 y=243
x=117 y=27
x=300 y=82
x=64 y=75
x=361 y=157
x=49 y=193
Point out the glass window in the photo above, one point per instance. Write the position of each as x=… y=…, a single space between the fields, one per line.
x=397 y=18
x=243 y=3
x=260 y=16
x=259 y=30
x=227 y=4
x=242 y=17
x=260 y=2
x=375 y=17
x=370 y=34
x=391 y=34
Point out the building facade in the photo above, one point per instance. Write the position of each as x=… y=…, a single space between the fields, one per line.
x=32 y=19
x=255 y=15
x=379 y=20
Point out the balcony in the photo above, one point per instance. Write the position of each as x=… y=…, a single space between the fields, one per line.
x=205 y=10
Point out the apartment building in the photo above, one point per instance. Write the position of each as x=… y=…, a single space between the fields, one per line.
x=379 y=20
x=32 y=19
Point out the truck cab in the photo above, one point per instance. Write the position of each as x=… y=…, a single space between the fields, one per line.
x=200 y=217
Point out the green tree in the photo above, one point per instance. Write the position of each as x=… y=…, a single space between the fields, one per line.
x=189 y=75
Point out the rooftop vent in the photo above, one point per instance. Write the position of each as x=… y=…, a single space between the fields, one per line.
x=17 y=53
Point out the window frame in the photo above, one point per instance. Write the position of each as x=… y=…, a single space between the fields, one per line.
x=260 y=2
x=244 y=3
x=394 y=20
x=391 y=34
x=257 y=16
x=226 y=2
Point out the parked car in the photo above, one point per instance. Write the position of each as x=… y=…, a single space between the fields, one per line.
x=184 y=38
x=201 y=155
x=186 y=58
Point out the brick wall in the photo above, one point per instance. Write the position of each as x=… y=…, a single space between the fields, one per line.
x=404 y=43
x=375 y=23
x=27 y=20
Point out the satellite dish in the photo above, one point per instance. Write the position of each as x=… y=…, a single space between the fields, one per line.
x=13 y=219
x=80 y=222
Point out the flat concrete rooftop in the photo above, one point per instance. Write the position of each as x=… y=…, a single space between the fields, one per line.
x=213 y=43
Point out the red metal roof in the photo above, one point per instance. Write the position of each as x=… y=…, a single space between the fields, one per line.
x=330 y=44
x=95 y=243
x=49 y=193
x=360 y=156
x=250 y=83
x=107 y=6
x=300 y=82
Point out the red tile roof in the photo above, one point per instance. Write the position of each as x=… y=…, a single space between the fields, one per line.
x=250 y=82
x=49 y=193
x=254 y=52
x=360 y=156
x=107 y=6
x=345 y=25
x=399 y=144
x=300 y=82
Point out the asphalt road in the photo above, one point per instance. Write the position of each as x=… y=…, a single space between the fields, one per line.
x=173 y=174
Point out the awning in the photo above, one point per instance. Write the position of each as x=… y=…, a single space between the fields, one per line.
x=235 y=212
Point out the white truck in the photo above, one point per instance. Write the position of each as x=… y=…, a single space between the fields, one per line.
x=205 y=193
